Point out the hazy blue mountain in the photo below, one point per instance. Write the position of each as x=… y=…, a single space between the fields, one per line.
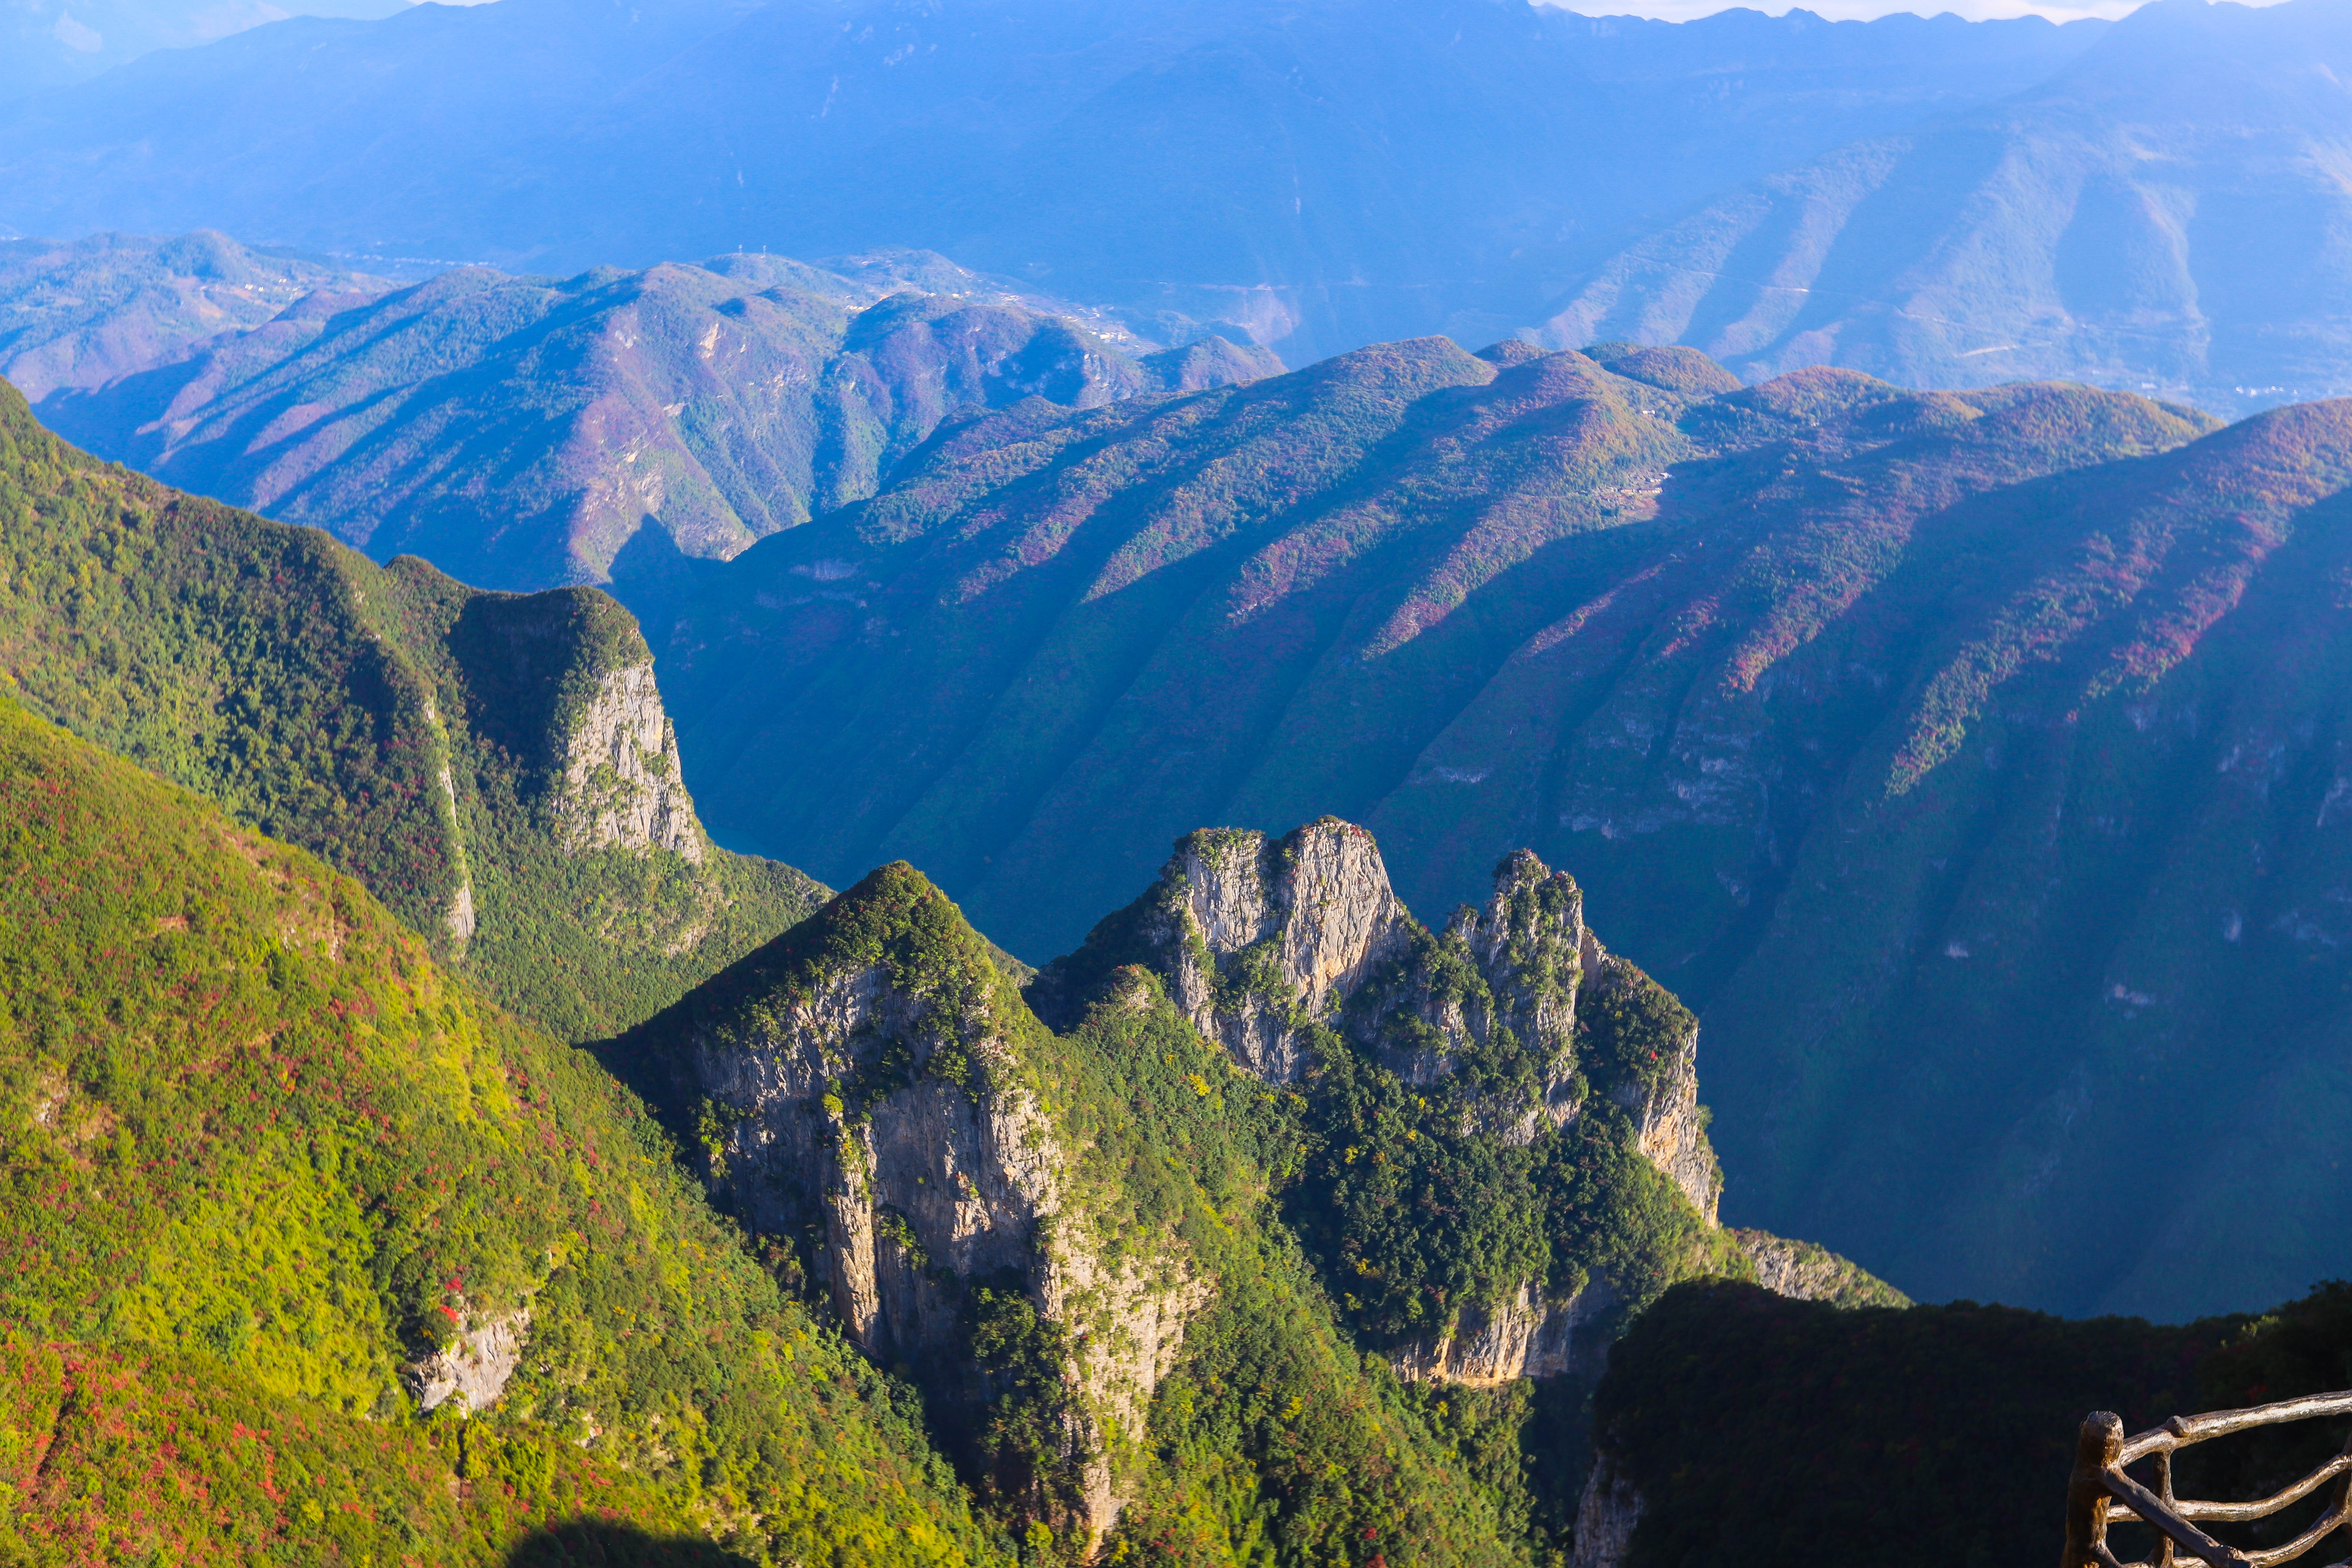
x=1327 y=174
x=2165 y=214
x=81 y=315
x=521 y=430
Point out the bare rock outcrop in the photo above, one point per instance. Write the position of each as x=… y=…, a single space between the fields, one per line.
x=1807 y=1272
x=1526 y=1336
x=1605 y=1516
x=473 y=1370
x=1258 y=937
x=1670 y=1131
x=622 y=785
x=1260 y=941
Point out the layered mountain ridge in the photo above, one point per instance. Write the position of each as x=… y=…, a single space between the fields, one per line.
x=2154 y=217
x=1318 y=178
x=522 y=432
x=1907 y=735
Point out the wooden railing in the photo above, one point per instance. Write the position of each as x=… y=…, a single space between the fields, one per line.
x=2101 y=1494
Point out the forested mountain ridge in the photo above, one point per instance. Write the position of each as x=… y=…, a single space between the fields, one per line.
x=1920 y=740
x=1267 y=1120
x=2154 y=217
x=1319 y=177
x=319 y=1252
x=497 y=768
x=275 y=1185
x=522 y=432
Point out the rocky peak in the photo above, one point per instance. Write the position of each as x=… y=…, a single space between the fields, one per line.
x=1257 y=937
x=862 y=1083
x=1278 y=949
x=1263 y=941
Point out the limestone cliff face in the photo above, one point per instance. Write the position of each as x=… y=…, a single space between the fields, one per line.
x=1671 y=1133
x=1263 y=943
x=1526 y=1336
x=1605 y=1516
x=885 y=1107
x=1258 y=937
x=620 y=784
x=474 y=1369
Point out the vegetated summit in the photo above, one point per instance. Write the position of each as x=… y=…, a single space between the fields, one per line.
x=2154 y=217
x=1320 y=176
x=1967 y=758
x=520 y=431
x=1287 y=1228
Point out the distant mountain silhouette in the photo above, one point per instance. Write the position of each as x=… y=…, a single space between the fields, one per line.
x=2167 y=213
x=520 y=430
x=55 y=43
x=1324 y=174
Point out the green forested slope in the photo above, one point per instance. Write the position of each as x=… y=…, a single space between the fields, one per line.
x=1967 y=761
x=260 y=1152
x=871 y=1091
x=411 y=730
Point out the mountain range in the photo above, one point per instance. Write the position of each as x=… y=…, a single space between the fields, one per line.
x=2159 y=215
x=1270 y=1221
x=521 y=431
x=1305 y=837
x=1317 y=177
x=1941 y=204
x=1419 y=589
x=1968 y=759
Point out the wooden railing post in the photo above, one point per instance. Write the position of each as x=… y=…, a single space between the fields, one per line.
x=2100 y=1445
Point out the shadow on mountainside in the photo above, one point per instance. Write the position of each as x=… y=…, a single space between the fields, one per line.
x=591 y=1543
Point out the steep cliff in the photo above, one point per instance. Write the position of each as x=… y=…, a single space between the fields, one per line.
x=1488 y=1081
x=622 y=785
x=870 y=1083
x=499 y=768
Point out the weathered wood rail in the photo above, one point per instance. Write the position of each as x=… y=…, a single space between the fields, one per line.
x=2101 y=1493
